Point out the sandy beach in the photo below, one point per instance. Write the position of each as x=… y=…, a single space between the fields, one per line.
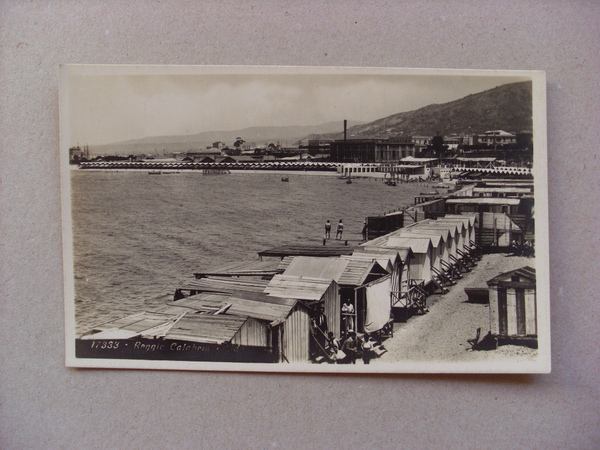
x=442 y=333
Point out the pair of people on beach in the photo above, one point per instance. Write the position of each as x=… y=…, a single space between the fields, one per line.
x=339 y=231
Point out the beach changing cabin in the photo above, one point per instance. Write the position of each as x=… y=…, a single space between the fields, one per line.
x=513 y=310
x=296 y=341
x=351 y=273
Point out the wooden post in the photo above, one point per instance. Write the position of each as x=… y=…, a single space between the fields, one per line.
x=495 y=236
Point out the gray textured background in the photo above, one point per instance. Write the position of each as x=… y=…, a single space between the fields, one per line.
x=44 y=405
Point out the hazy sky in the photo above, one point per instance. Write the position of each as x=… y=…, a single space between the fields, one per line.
x=103 y=109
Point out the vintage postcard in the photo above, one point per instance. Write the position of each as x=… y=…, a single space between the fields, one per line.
x=305 y=219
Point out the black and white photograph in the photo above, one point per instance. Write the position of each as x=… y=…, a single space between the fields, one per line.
x=305 y=219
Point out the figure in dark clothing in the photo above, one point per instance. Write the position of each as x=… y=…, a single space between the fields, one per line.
x=364 y=230
x=321 y=320
x=350 y=348
x=328 y=230
x=320 y=328
x=340 y=230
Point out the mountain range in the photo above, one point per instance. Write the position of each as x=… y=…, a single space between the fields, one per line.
x=286 y=135
x=507 y=107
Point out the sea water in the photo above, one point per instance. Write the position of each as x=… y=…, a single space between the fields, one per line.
x=137 y=237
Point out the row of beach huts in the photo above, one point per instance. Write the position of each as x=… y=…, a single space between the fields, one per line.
x=289 y=306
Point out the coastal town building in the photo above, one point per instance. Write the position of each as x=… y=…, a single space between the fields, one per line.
x=492 y=137
x=372 y=149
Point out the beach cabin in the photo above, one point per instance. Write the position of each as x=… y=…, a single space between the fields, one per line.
x=396 y=261
x=283 y=316
x=513 y=309
x=424 y=254
x=500 y=220
x=407 y=295
x=179 y=334
x=368 y=284
x=350 y=273
x=219 y=329
x=299 y=335
x=470 y=220
x=452 y=236
x=439 y=251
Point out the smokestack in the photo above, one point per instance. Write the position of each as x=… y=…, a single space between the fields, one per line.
x=345 y=129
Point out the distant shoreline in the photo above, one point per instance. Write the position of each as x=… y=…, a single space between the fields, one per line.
x=200 y=172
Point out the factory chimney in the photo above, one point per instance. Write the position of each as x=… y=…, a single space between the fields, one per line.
x=345 y=130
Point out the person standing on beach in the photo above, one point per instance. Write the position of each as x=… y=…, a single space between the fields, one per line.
x=364 y=230
x=367 y=349
x=328 y=229
x=340 y=230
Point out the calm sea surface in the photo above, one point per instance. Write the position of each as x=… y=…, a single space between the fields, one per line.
x=137 y=237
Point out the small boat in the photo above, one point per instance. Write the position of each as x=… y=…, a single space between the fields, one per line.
x=155 y=172
x=285 y=179
x=390 y=182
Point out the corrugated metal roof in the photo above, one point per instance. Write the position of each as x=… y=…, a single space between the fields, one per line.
x=386 y=258
x=216 y=284
x=440 y=230
x=377 y=242
x=457 y=225
x=138 y=322
x=452 y=228
x=484 y=201
x=272 y=309
x=357 y=270
x=307 y=250
x=206 y=328
x=301 y=288
x=402 y=253
x=462 y=223
x=509 y=190
x=284 y=263
x=417 y=245
x=314 y=267
x=472 y=217
x=434 y=237
x=246 y=268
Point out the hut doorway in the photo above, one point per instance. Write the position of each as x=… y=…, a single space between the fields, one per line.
x=502 y=312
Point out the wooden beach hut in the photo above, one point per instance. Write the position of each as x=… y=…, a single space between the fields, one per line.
x=349 y=272
x=283 y=316
x=451 y=234
x=298 y=337
x=423 y=251
x=179 y=333
x=367 y=283
x=470 y=220
x=439 y=249
x=219 y=329
x=513 y=309
x=408 y=295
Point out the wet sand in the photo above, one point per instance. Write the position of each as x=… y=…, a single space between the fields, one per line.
x=442 y=333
